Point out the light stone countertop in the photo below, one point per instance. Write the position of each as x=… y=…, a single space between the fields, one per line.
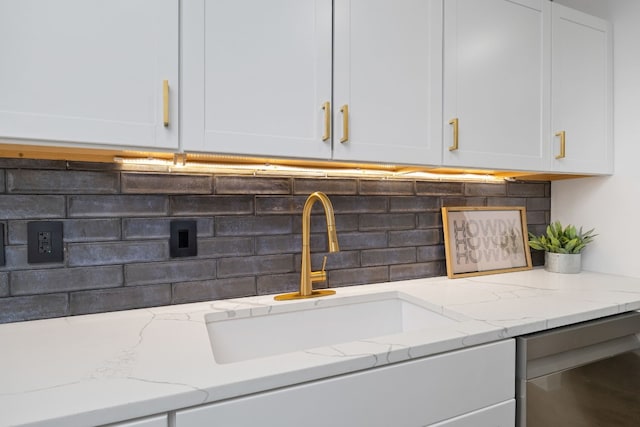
x=103 y=368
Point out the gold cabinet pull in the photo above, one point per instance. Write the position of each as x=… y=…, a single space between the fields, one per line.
x=454 y=122
x=345 y=123
x=563 y=136
x=327 y=120
x=165 y=102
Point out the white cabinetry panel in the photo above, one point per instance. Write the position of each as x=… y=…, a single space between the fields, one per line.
x=255 y=76
x=495 y=83
x=388 y=70
x=581 y=92
x=414 y=393
x=89 y=72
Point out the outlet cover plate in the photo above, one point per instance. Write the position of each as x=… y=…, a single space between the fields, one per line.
x=44 y=242
x=182 y=240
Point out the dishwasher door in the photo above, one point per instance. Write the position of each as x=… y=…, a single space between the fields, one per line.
x=585 y=375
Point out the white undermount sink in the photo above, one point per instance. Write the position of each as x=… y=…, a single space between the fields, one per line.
x=302 y=325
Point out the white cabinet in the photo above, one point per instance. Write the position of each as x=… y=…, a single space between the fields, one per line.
x=495 y=84
x=474 y=384
x=155 y=421
x=387 y=71
x=257 y=79
x=89 y=72
x=256 y=75
x=581 y=96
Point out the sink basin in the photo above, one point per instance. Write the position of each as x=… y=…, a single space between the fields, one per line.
x=302 y=326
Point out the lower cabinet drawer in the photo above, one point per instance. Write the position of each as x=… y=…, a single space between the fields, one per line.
x=500 y=415
x=415 y=393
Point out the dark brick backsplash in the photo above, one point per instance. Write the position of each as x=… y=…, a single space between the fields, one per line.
x=116 y=226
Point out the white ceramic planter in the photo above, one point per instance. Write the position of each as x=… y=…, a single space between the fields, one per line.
x=562 y=263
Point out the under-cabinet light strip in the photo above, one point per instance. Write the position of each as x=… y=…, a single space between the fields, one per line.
x=318 y=172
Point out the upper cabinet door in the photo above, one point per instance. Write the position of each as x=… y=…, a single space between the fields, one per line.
x=496 y=84
x=388 y=81
x=257 y=77
x=89 y=72
x=581 y=97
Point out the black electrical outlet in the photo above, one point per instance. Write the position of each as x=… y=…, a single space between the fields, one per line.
x=182 y=241
x=44 y=242
x=2 y=262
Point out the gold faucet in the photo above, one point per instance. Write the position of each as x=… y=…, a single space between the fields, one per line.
x=307 y=277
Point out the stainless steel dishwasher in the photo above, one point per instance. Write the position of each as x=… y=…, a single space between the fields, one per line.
x=583 y=375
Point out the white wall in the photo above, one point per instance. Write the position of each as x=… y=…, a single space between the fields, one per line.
x=612 y=204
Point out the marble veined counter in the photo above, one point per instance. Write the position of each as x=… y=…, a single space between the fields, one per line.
x=104 y=368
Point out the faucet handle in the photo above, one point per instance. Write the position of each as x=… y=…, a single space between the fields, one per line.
x=319 y=276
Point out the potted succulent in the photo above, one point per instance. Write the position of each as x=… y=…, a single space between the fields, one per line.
x=562 y=246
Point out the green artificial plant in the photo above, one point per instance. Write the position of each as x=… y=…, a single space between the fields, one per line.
x=560 y=240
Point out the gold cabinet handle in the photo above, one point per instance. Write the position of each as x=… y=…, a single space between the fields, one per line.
x=327 y=121
x=563 y=137
x=454 y=122
x=345 y=123
x=165 y=102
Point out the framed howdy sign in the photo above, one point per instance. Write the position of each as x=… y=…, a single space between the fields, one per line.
x=485 y=240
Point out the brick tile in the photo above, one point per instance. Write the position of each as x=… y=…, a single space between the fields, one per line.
x=506 y=201
x=351 y=204
x=74 y=230
x=416 y=271
x=49 y=281
x=99 y=301
x=431 y=253
x=213 y=289
x=379 y=187
x=4 y=284
x=362 y=240
x=387 y=222
x=16 y=309
x=388 y=256
x=413 y=204
x=537 y=217
x=538 y=204
x=430 y=220
x=84 y=254
x=415 y=238
x=281 y=283
x=484 y=189
x=225 y=247
x=252 y=226
x=153 y=183
x=211 y=205
x=464 y=201
x=329 y=186
x=62 y=182
x=16 y=259
x=291 y=205
x=159 y=228
x=526 y=189
x=31 y=206
x=257 y=265
x=284 y=244
x=10 y=163
x=114 y=206
x=358 y=276
x=168 y=272
x=439 y=188
x=252 y=185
